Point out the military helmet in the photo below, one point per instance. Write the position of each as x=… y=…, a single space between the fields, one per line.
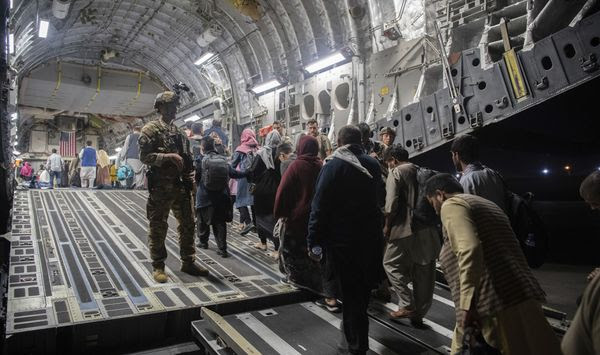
x=387 y=130
x=165 y=97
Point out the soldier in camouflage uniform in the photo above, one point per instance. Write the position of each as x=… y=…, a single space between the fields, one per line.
x=166 y=150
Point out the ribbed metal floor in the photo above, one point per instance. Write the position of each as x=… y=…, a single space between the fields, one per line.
x=81 y=256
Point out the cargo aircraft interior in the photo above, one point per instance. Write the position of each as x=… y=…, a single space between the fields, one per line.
x=262 y=177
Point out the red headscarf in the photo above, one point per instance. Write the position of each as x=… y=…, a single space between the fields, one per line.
x=308 y=149
x=248 y=142
x=297 y=186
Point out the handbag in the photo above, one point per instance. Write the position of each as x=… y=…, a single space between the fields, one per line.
x=474 y=343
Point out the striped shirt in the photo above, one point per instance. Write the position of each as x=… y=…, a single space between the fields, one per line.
x=481 y=257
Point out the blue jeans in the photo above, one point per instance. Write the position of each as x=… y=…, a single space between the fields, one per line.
x=52 y=175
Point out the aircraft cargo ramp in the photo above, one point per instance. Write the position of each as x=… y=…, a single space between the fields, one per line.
x=80 y=281
x=80 y=276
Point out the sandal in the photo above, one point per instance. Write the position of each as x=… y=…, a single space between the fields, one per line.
x=260 y=246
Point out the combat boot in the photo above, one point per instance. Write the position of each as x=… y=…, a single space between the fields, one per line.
x=159 y=275
x=193 y=269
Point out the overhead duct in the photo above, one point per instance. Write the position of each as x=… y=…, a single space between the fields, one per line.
x=555 y=15
x=60 y=8
x=209 y=35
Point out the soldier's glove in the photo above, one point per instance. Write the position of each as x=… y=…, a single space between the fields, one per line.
x=176 y=159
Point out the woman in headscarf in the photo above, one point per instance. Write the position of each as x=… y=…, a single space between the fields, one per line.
x=266 y=176
x=74 y=177
x=292 y=202
x=241 y=160
x=26 y=171
x=103 y=175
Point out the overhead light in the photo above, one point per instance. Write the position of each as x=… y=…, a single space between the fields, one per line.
x=16 y=137
x=192 y=118
x=567 y=167
x=266 y=86
x=43 y=30
x=16 y=152
x=14 y=116
x=11 y=4
x=112 y=157
x=328 y=61
x=206 y=56
x=545 y=171
x=11 y=43
x=16 y=144
x=118 y=149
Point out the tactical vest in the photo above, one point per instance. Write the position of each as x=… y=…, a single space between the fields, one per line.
x=168 y=139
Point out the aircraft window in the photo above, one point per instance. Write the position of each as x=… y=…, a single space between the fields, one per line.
x=489 y=108
x=454 y=72
x=342 y=92
x=325 y=102
x=595 y=42
x=461 y=120
x=309 y=106
x=396 y=123
x=407 y=117
x=475 y=62
x=408 y=143
x=481 y=85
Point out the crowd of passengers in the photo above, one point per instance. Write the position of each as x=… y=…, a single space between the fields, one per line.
x=354 y=222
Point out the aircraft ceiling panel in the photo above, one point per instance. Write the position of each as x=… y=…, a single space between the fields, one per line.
x=117 y=94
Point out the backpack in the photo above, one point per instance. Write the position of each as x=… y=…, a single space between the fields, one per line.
x=527 y=226
x=250 y=164
x=125 y=172
x=26 y=171
x=423 y=213
x=529 y=229
x=215 y=172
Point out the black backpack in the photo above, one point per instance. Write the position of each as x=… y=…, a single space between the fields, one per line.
x=251 y=163
x=527 y=226
x=529 y=229
x=215 y=172
x=423 y=213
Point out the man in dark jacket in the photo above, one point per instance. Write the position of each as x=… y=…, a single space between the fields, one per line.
x=346 y=222
x=216 y=127
x=213 y=208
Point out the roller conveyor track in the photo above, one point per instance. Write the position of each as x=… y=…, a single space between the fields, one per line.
x=80 y=257
x=307 y=328
x=80 y=280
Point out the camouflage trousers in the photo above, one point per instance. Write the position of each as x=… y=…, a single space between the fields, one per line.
x=161 y=200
